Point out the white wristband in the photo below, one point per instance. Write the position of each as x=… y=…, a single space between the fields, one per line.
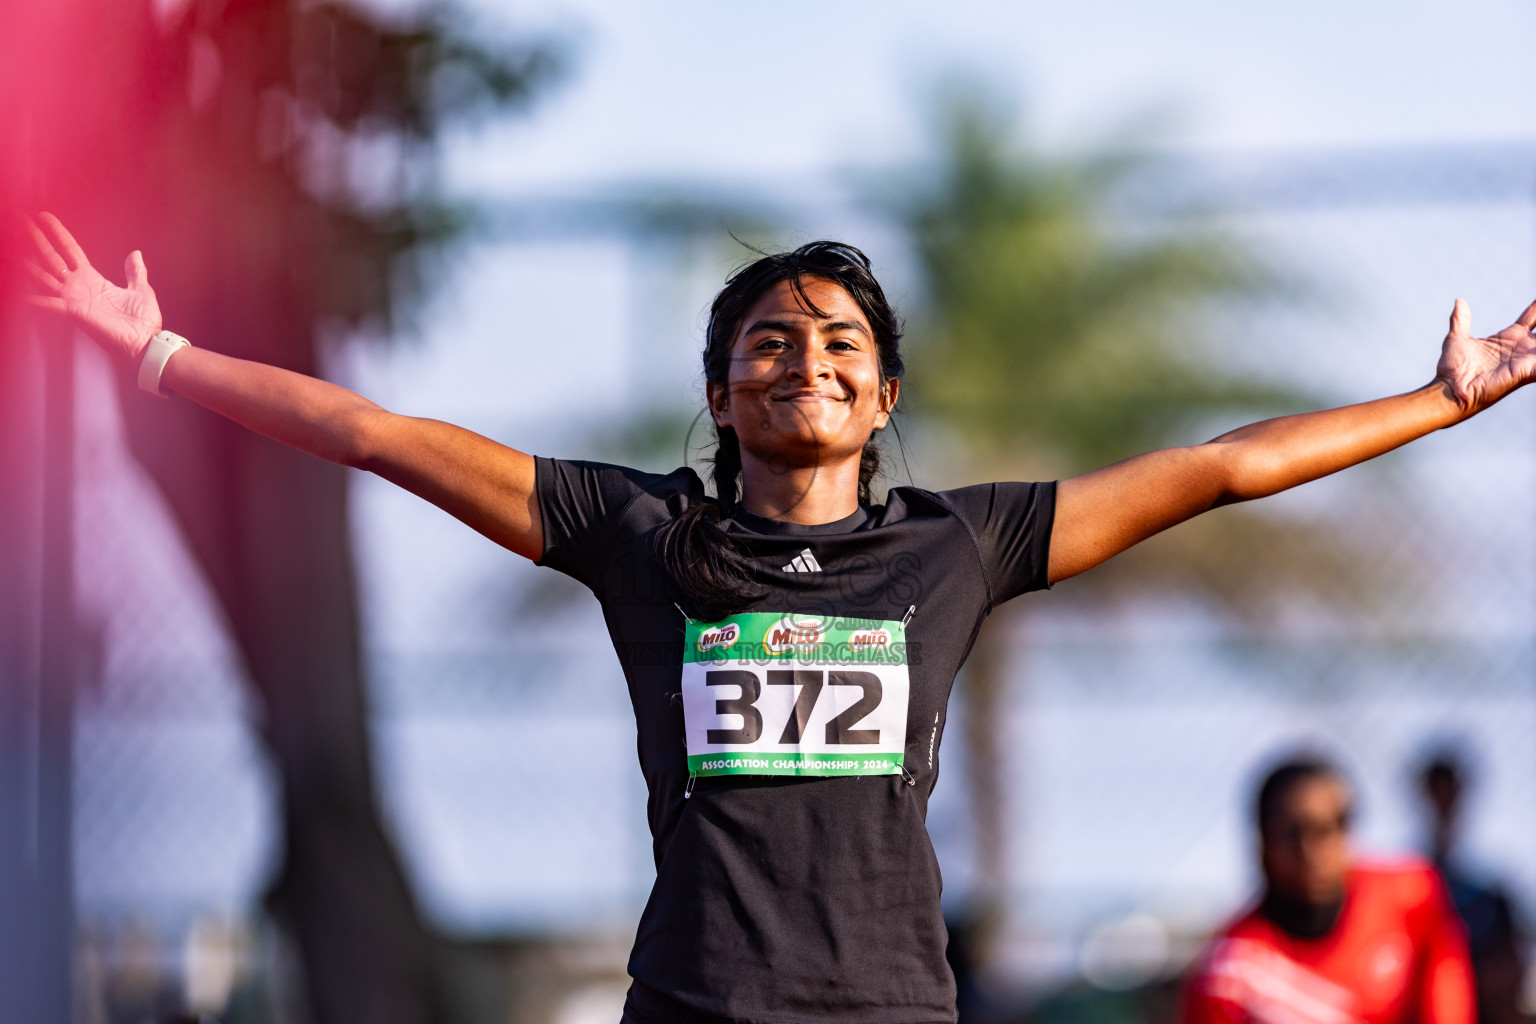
x=156 y=353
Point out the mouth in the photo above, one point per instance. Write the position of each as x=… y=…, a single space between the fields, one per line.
x=809 y=397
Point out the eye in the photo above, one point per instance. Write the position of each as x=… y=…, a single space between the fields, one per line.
x=842 y=345
x=772 y=345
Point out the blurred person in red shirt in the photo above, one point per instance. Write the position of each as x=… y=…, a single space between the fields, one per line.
x=1332 y=940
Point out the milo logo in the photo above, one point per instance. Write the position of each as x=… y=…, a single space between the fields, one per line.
x=722 y=638
x=869 y=640
x=791 y=634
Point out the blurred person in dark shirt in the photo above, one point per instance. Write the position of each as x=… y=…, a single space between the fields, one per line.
x=1486 y=910
x=1332 y=940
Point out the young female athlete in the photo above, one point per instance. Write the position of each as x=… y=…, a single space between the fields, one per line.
x=789 y=644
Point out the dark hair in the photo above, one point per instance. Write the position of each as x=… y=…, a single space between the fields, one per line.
x=707 y=566
x=1286 y=776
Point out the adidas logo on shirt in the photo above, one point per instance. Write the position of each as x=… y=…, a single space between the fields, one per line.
x=804 y=562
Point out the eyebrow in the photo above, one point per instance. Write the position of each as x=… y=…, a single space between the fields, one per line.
x=846 y=325
x=795 y=325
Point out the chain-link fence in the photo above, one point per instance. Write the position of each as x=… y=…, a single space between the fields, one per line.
x=1137 y=713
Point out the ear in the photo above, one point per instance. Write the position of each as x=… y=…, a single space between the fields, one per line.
x=889 y=392
x=719 y=398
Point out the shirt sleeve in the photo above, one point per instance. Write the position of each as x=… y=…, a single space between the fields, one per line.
x=580 y=505
x=1446 y=991
x=1012 y=524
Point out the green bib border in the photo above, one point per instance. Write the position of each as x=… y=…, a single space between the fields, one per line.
x=764 y=638
x=707 y=765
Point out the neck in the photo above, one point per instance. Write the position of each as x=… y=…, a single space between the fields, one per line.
x=806 y=495
x=1300 y=919
x=1441 y=844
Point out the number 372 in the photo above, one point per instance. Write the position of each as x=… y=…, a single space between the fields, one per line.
x=838 y=730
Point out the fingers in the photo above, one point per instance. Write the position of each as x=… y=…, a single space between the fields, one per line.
x=50 y=284
x=1528 y=318
x=49 y=302
x=1461 y=319
x=45 y=249
x=64 y=241
x=138 y=273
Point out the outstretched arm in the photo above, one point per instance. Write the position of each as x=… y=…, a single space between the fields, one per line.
x=485 y=484
x=1100 y=514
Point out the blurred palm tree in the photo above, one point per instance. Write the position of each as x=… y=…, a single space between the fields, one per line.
x=1056 y=335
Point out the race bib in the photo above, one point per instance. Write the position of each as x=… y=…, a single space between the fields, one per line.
x=766 y=693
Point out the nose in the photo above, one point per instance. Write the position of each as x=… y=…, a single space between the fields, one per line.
x=809 y=365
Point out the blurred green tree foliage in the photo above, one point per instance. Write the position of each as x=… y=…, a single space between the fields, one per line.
x=1053 y=327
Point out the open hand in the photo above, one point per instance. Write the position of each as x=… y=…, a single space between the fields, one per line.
x=121 y=320
x=1479 y=371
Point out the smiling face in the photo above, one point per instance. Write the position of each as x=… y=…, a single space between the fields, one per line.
x=803 y=390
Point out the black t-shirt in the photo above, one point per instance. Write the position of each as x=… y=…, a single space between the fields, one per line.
x=787 y=899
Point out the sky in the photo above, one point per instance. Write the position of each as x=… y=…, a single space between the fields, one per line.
x=732 y=90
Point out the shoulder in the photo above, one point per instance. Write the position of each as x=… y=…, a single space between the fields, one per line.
x=1404 y=874
x=614 y=484
x=1248 y=925
x=902 y=503
x=976 y=504
x=1408 y=882
x=638 y=479
x=1008 y=525
x=588 y=506
x=1232 y=938
x=1236 y=938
